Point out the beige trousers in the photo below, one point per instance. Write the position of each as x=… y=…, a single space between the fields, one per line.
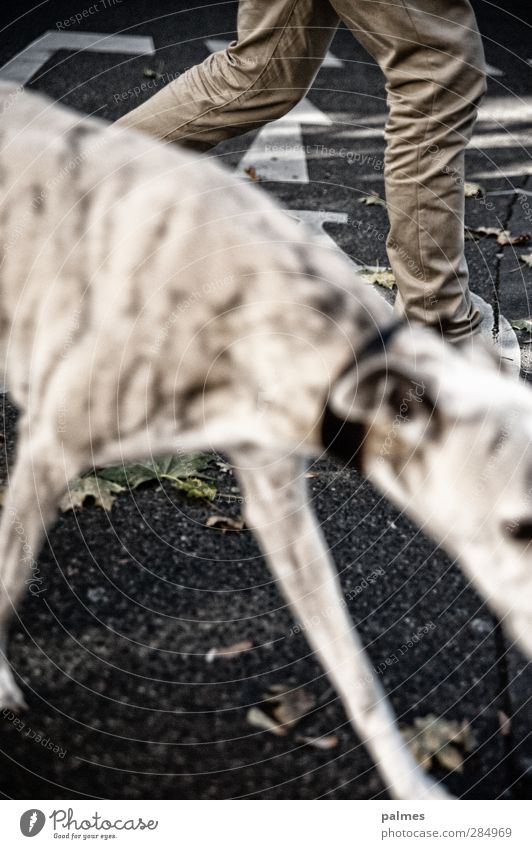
x=431 y=54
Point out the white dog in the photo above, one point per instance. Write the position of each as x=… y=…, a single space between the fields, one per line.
x=151 y=302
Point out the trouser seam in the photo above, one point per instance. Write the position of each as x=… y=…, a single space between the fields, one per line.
x=418 y=158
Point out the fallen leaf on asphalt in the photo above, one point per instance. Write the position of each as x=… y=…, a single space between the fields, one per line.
x=473 y=190
x=289 y=705
x=504 y=237
x=505 y=723
x=445 y=741
x=522 y=324
x=373 y=199
x=323 y=743
x=101 y=492
x=230 y=651
x=225 y=523
x=251 y=171
x=282 y=708
x=151 y=74
x=185 y=473
x=312 y=474
x=102 y=486
x=259 y=719
x=382 y=276
x=527 y=259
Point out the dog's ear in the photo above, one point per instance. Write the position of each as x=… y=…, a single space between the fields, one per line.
x=377 y=387
x=379 y=397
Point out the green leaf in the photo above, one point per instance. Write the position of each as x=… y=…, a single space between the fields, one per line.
x=195 y=488
x=103 y=492
x=185 y=473
x=173 y=468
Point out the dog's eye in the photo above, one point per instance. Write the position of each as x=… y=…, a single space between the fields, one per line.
x=519 y=530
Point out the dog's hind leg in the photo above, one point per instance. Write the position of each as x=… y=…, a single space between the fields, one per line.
x=39 y=477
x=277 y=510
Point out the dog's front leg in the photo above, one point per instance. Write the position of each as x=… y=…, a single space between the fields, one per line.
x=277 y=510
x=39 y=477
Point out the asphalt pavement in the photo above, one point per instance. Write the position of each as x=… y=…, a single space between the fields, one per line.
x=127 y=697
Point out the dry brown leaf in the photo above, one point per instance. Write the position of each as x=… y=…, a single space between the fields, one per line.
x=289 y=705
x=251 y=171
x=382 y=276
x=323 y=743
x=505 y=723
x=259 y=719
x=229 y=651
x=102 y=493
x=224 y=523
x=473 y=190
x=504 y=237
x=445 y=741
x=282 y=708
x=373 y=199
x=450 y=758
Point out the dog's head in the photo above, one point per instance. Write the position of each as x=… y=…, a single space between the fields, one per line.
x=450 y=441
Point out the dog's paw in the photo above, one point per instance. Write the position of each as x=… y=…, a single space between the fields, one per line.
x=11 y=697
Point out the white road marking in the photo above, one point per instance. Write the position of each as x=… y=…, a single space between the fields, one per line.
x=277 y=153
x=25 y=64
x=215 y=44
x=492 y=71
x=314 y=221
x=509 y=192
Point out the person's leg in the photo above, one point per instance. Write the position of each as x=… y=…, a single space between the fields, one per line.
x=432 y=56
x=281 y=45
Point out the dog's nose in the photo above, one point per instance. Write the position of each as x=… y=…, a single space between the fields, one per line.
x=519 y=529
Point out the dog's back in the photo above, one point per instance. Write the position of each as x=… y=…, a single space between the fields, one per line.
x=124 y=256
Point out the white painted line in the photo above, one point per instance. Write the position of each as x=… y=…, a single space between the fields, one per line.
x=215 y=44
x=509 y=192
x=277 y=153
x=314 y=221
x=516 y=169
x=25 y=64
x=503 y=109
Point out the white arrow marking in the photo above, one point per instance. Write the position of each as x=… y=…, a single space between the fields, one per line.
x=314 y=221
x=25 y=64
x=215 y=44
x=277 y=153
